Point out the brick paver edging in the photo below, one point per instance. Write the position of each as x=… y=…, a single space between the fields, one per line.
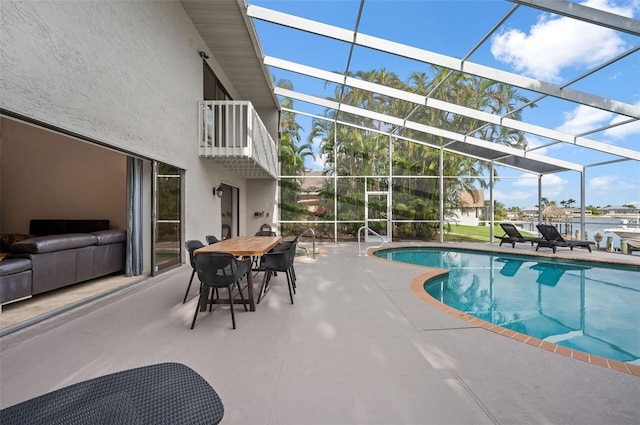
x=417 y=286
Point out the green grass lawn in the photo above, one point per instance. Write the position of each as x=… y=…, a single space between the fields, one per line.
x=460 y=233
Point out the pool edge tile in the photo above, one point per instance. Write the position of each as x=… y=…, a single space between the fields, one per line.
x=417 y=287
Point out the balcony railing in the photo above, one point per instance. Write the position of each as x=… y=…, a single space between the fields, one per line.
x=233 y=135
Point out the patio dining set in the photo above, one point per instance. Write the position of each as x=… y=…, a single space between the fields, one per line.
x=227 y=263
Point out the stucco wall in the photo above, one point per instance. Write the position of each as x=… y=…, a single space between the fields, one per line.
x=261 y=197
x=127 y=74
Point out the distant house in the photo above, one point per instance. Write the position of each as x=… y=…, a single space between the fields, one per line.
x=470 y=208
x=620 y=210
x=576 y=212
x=530 y=211
x=310 y=190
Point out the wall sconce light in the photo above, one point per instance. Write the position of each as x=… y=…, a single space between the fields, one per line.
x=218 y=191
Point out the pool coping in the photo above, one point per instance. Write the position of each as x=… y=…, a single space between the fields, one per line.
x=417 y=287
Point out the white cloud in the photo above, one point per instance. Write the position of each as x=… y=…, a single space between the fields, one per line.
x=526 y=188
x=608 y=184
x=554 y=43
x=534 y=141
x=526 y=180
x=625 y=130
x=584 y=118
x=510 y=198
x=317 y=164
x=552 y=186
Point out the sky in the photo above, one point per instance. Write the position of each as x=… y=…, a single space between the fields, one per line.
x=530 y=42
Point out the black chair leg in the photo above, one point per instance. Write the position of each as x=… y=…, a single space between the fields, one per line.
x=188 y=287
x=233 y=316
x=244 y=303
x=210 y=294
x=263 y=287
x=289 y=285
x=293 y=278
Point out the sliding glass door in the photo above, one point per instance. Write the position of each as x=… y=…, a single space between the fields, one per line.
x=167 y=214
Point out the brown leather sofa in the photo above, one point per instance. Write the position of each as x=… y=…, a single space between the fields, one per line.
x=15 y=279
x=59 y=260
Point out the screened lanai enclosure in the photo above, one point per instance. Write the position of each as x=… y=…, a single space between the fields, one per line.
x=407 y=117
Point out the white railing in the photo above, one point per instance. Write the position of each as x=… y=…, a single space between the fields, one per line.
x=313 y=246
x=233 y=129
x=367 y=229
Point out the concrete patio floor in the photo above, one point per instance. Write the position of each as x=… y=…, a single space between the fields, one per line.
x=357 y=347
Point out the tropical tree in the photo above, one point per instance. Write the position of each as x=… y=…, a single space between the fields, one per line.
x=516 y=211
x=362 y=150
x=292 y=157
x=544 y=203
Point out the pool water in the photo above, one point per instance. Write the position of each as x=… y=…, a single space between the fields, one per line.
x=586 y=306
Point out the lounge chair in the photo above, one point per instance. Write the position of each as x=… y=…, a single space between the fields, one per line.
x=553 y=239
x=512 y=235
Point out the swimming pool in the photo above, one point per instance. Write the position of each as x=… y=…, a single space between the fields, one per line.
x=586 y=306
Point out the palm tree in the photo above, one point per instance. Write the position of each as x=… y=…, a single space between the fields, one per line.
x=292 y=157
x=359 y=152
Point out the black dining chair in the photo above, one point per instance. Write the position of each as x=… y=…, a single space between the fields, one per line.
x=265 y=233
x=262 y=232
x=284 y=246
x=265 y=227
x=191 y=245
x=220 y=270
x=226 y=231
x=278 y=260
x=211 y=239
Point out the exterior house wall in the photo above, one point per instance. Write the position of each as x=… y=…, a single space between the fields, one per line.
x=261 y=197
x=127 y=74
x=470 y=210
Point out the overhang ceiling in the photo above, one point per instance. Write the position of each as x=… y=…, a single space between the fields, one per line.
x=230 y=36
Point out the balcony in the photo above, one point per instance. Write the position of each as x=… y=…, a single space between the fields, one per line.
x=233 y=135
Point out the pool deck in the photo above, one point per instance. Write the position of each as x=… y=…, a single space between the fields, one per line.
x=359 y=346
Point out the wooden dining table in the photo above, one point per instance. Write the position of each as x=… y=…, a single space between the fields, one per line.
x=243 y=246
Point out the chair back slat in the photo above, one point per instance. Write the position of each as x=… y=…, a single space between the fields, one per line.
x=217 y=269
x=550 y=233
x=192 y=245
x=511 y=230
x=265 y=233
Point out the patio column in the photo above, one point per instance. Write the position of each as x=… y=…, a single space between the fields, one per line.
x=491 y=206
x=441 y=182
x=582 y=201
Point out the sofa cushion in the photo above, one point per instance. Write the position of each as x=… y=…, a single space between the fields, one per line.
x=15 y=286
x=52 y=243
x=14 y=265
x=110 y=236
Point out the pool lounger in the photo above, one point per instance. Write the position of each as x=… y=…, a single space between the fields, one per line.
x=553 y=239
x=512 y=235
